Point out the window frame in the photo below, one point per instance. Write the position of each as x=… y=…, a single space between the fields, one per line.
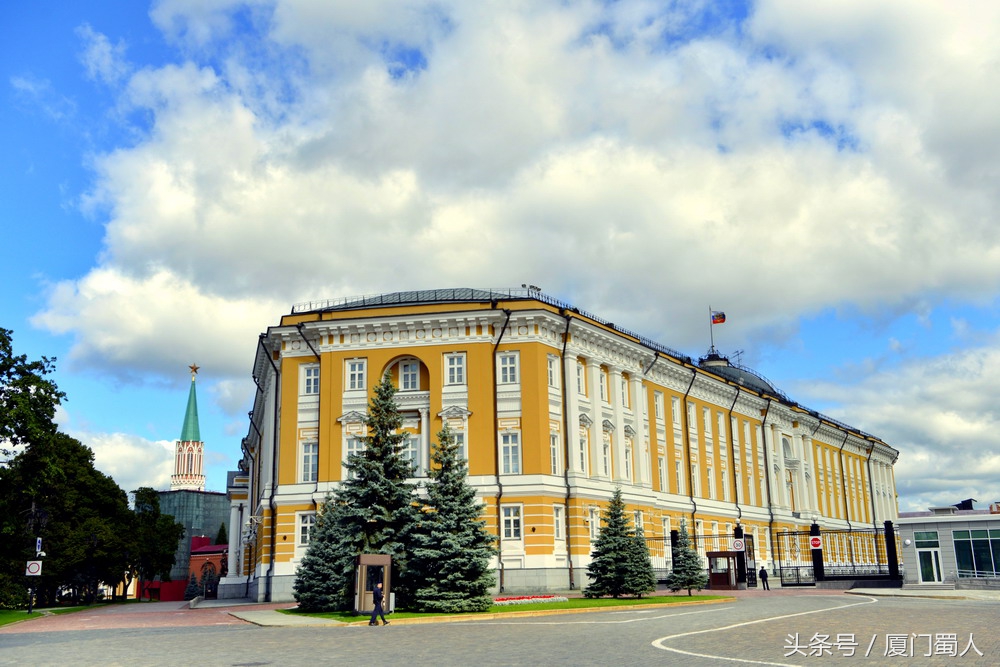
x=310 y=379
x=507 y=364
x=454 y=373
x=356 y=374
x=510 y=453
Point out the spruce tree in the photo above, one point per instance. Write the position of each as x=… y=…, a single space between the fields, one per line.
x=639 y=575
x=372 y=511
x=450 y=565
x=687 y=571
x=193 y=590
x=610 y=569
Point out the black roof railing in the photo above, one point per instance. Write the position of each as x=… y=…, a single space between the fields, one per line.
x=526 y=293
x=468 y=294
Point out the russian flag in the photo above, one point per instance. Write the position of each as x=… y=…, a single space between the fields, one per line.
x=718 y=317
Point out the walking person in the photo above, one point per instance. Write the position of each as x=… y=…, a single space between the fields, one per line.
x=378 y=598
x=762 y=575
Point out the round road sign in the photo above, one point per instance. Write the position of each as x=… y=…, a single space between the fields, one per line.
x=816 y=542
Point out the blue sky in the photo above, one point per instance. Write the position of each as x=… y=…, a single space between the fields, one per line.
x=177 y=174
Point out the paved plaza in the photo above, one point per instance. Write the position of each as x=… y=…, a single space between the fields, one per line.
x=783 y=627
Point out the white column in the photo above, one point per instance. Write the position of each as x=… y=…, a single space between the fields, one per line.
x=572 y=410
x=779 y=459
x=801 y=490
x=596 y=416
x=425 y=441
x=645 y=447
x=810 y=455
x=618 y=441
x=235 y=531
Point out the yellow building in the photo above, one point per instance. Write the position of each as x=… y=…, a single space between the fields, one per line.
x=554 y=408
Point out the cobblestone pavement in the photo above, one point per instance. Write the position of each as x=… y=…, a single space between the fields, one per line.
x=781 y=627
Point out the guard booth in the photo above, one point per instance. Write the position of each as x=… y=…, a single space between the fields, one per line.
x=370 y=570
x=722 y=570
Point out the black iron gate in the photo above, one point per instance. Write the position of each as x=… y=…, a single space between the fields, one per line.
x=865 y=553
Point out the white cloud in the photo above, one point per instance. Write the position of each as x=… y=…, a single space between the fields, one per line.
x=103 y=60
x=942 y=415
x=130 y=460
x=826 y=156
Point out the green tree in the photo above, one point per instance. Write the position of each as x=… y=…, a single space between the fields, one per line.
x=193 y=589
x=687 y=571
x=222 y=537
x=639 y=575
x=373 y=511
x=155 y=538
x=28 y=399
x=450 y=565
x=51 y=490
x=614 y=567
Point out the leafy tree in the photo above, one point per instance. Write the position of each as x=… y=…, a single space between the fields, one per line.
x=27 y=399
x=450 y=566
x=687 y=571
x=155 y=538
x=52 y=490
x=614 y=567
x=372 y=511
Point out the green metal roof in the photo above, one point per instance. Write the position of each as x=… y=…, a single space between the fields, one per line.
x=190 y=431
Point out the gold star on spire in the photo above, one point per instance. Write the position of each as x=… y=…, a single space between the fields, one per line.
x=194 y=370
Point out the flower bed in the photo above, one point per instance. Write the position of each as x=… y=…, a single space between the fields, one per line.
x=528 y=599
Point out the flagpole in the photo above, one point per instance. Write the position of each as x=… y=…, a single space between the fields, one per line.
x=711 y=329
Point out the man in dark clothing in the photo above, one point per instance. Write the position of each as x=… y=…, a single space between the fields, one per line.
x=377 y=599
x=763 y=579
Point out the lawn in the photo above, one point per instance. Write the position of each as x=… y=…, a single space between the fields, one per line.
x=12 y=615
x=514 y=610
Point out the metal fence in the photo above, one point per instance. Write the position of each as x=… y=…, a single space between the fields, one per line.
x=846 y=554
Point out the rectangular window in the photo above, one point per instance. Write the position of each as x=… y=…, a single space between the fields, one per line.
x=310 y=461
x=706 y=416
x=725 y=485
x=583 y=454
x=658 y=404
x=661 y=465
x=675 y=409
x=711 y=483
x=606 y=458
x=603 y=375
x=510 y=446
x=508 y=368
x=306 y=524
x=511 y=522
x=695 y=482
x=310 y=379
x=411 y=451
x=637 y=519
x=355 y=447
x=625 y=399
x=355 y=374
x=553 y=371
x=459 y=437
x=554 y=453
x=594 y=519
x=409 y=376
x=581 y=381
x=678 y=477
x=557 y=522
x=455 y=365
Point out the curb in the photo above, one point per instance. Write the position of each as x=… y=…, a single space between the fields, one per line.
x=291 y=620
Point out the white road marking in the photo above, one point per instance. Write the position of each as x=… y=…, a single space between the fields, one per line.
x=581 y=622
x=659 y=642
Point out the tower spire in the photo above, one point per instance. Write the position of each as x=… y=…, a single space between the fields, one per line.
x=189 y=451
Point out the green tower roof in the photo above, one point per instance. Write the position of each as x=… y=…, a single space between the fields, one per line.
x=190 y=431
